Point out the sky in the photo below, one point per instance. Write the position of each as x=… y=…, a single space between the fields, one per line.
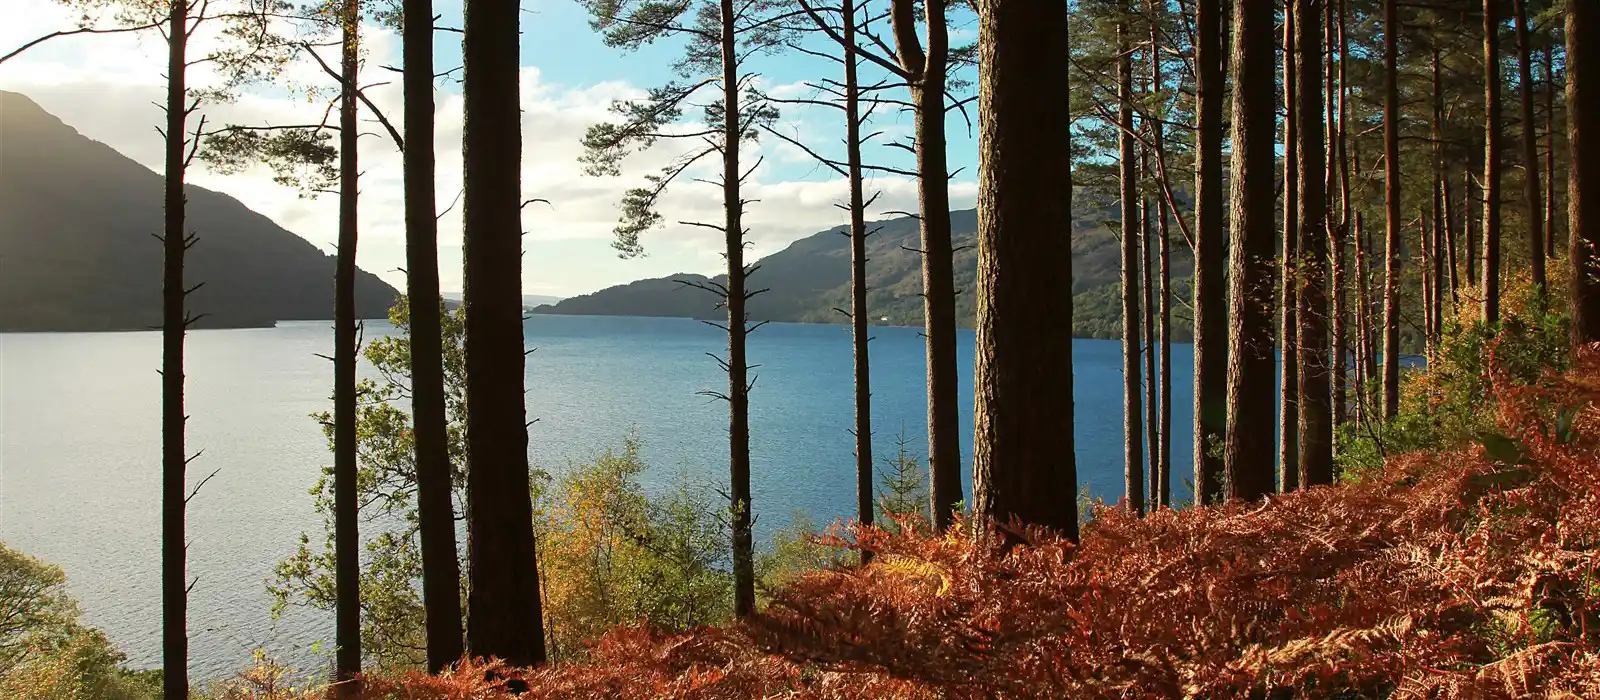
x=109 y=87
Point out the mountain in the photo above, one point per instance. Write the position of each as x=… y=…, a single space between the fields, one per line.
x=452 y=300
x=76 y=252
x=810 y=278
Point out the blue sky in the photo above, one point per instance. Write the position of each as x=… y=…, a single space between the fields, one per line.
x=105 y=86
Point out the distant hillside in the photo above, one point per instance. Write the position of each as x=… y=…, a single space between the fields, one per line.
x=76 y=251
x=452 y=300
x=811 y=277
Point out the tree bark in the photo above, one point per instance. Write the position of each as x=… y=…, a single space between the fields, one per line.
x=1550 y=211
x=1211 y=330
x=1469 y=233
x=1248 y=453
x=1316 y=427
x=347 y=538
x=504 y=612
x=1339 y=364
x=1364 y=327
x=1450 y=240
x=1531 y=189
x=1392 y=223
x=1441 y=220
x=441 y=570
x=1288 y=333
x=174 y=322
x=1490 y=286
x=927 y=71
x=860 y=332
x=1147 y=315
x=1583 y=170
x=744 y=576
x=1133 y=442
x=1023 y=462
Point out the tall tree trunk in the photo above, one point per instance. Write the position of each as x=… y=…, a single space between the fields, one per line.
x=1339 y=363
x=1583 y=170
x=1316 y=427
x=347 y=538
x=1550 y=211
x=1364 y=328
x=504 y=612
x=441 y=571
x=1147 y=315
x=1490 y=286
x=174 y=321
x=1161 y=404
x=1424 y=243
x=927 y=71
x=860 y=332
x=1441 y=220
x=1023 y=463
x=1392 y=223
x=1210 y=295
x=1531 y=189
x=1132 y=441
x=744 y=572
x=1288 y=332
x=1249 y=454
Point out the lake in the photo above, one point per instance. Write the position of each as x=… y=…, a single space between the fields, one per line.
x=80 y=446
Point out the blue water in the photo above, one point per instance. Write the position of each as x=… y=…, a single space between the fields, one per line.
x=80 y=446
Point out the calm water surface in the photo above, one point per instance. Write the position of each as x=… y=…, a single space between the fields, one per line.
x=80 y=446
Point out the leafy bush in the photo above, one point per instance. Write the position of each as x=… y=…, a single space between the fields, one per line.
x=45 y=652
x=1450 y=403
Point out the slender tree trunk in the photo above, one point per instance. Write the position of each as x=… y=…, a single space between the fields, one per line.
x=1551 y=215
x=1023 y=463
x=1147 y=315
x=1158 y=395
x=1424 y=239
x=1133 y=442
x=1288 y=333
x=1392 y=223
x=1211 y=351
x=1339 y=364
x=1316 y=427
x=744 y=576
x=1441 y=218
x=347 y=538
x=1162 y=497
x=1450 y=240
x=859 y=327
x=1583 y=170
x=504 y=612
x=1248 y=454
x=1364 y=328
x=1531 y=189
x=1490 y=287
x=441 y=571
x=927 y=71
x=174 y=322
x=1469 y=231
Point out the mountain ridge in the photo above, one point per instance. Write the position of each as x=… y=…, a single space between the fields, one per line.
x=808 y=281
x=76 y=219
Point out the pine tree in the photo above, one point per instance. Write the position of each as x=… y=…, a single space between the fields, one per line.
x=441 y=571
x=347 y=538
x=1583 y=175
x=1211 y=349
x=1249 y=458
x=504 y=617
x=1023 y=462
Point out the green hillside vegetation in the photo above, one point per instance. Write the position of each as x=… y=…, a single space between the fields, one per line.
x=810 y=279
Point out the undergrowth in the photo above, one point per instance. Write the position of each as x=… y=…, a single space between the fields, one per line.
x=1468 y=572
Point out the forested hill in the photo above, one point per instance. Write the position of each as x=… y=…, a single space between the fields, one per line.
x=811 y=277
x=76 y=219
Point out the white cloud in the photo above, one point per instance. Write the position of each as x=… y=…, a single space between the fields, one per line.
x=108 y=88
